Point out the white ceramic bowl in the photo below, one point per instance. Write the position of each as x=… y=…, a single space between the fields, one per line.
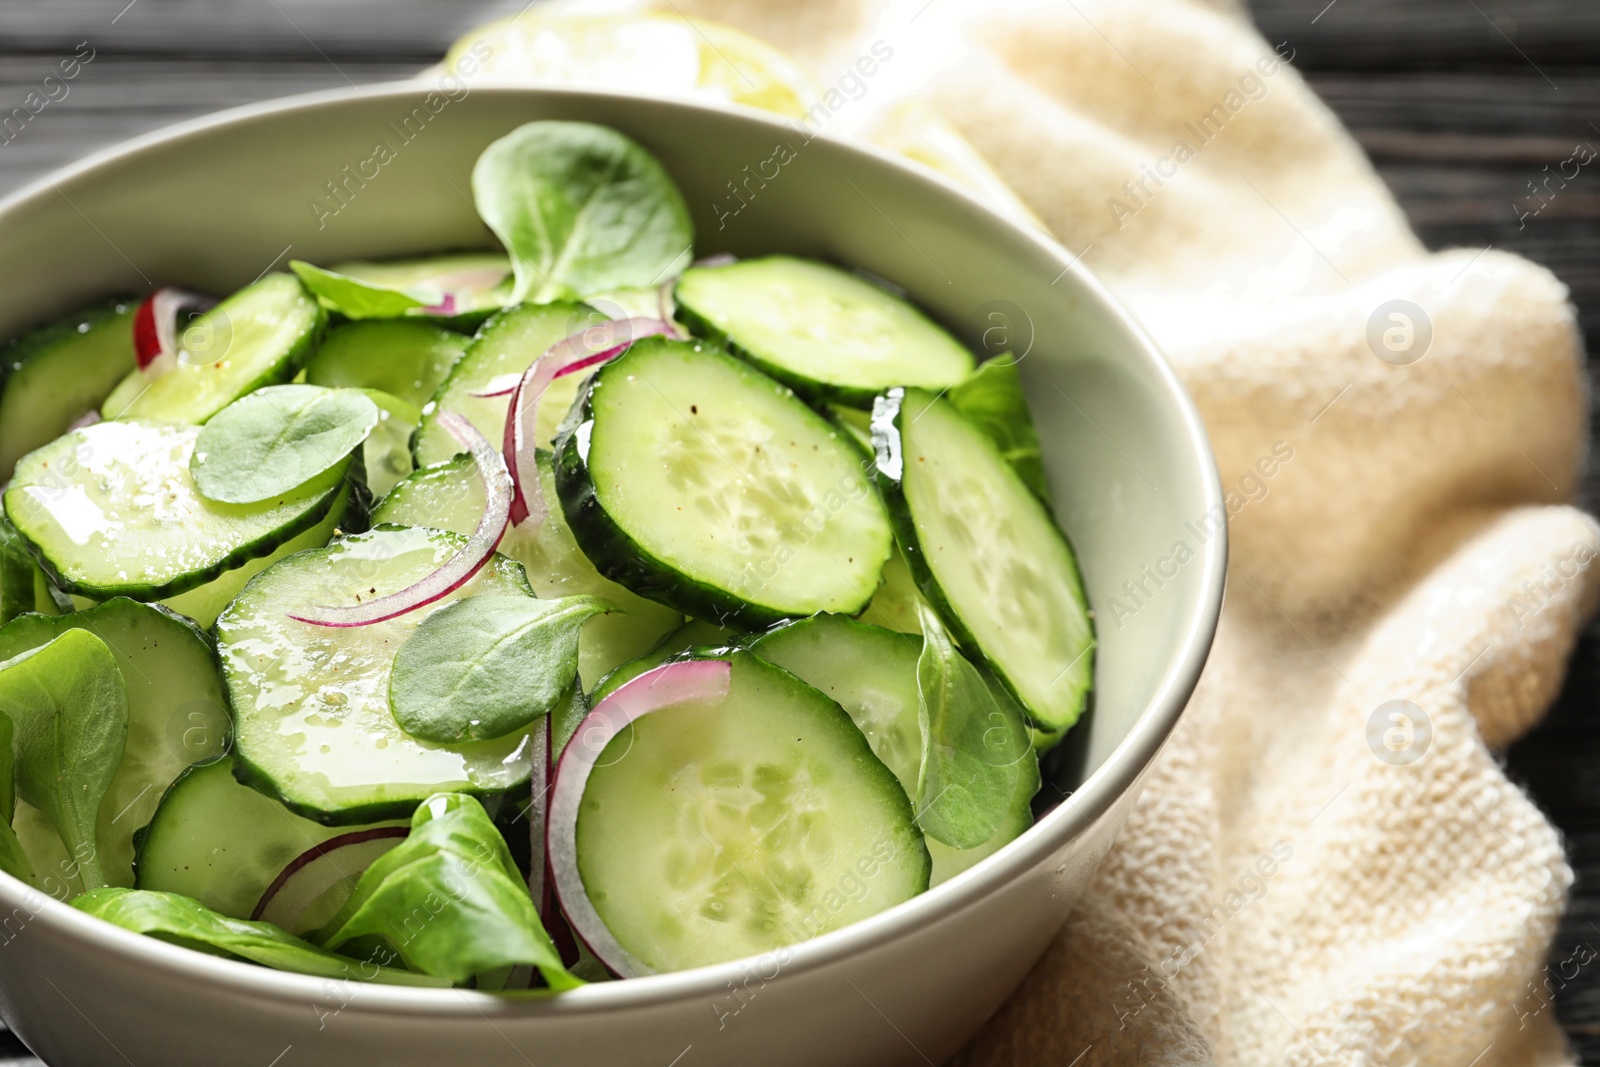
x=214 y=203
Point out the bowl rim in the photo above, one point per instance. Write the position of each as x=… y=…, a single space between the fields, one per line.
x=1119 y=772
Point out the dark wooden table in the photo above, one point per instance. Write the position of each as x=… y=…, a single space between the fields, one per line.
x=1461 y=104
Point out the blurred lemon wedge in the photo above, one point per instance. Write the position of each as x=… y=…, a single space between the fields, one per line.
x=644 y=52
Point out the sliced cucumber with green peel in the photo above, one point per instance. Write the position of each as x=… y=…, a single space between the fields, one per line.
x=449 y=496
x=826 y=332
x=223 y=843
x=111 y=510
x=894 y=605
x=986 y=553
x=204 y=603
x=401 y=357
x=177 y=708
x=57 y=373
x=503 y=349
x=871 y=672
x=311 y=703
x=713 y=831
x=697 y=481
x=259 y=336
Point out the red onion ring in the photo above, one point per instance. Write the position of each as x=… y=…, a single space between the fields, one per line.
x=460 y=567
x=155 y=322
x=666 y=686
x=316 y=852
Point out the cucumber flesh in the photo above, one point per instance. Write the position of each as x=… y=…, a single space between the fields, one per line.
x=986 y=553
x=59 y=372
x=871 y=672
x=699 y=482
x=709 y=832
x=177 y=709
x=403 y=358
x=503 y=349
x=311 y=703
x=111 y=510
x=222 y=842
x=826 y=332
x=258 y=336
x=449 y=496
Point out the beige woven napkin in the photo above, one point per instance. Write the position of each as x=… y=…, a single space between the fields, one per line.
x=1327 y=865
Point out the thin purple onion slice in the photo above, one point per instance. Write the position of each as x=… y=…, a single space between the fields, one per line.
x=460 y=567
x=155 y=322
x=664 y=687
x=316 y=870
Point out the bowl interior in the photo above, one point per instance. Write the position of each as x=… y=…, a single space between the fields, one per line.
x=376 y=173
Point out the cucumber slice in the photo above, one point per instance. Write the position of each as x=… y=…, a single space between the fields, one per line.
x=872 y=673
x=699 y=482
x=110 y=510
x=824 y=331
x=59 y=372
x=504 y=348
x=222 y=842
x=386 y=453
x=449 y=496
x=894 y=605
x=708 y=832
x=403 y=358
x=204 y=603
x=258 y=336
x=986 y=553
x=177 y=709
x=693 y=634
x=480 y=281
x=311 y=703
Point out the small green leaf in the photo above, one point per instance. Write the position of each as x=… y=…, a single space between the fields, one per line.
x=185 y=921
x=69 y=706
x=977 y=746
x=13 y=860
x=992 y=400
x=357 y=299
x=277 y=439
x=449 y=900
x=581 y=209
x=484 y=666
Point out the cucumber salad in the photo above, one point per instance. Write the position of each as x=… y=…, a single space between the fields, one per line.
x=516 y=620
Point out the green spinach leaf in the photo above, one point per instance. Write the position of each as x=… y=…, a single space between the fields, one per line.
x=977 y=746
x=185 y=921
x=486 y=665
x=13 y=859
x=357 y=299
x=276 y=439
x=449 y=900
x=69 y=706
x=992 y=399
x=581 y=209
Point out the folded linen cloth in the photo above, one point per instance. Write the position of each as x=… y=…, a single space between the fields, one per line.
x=1327 y=865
